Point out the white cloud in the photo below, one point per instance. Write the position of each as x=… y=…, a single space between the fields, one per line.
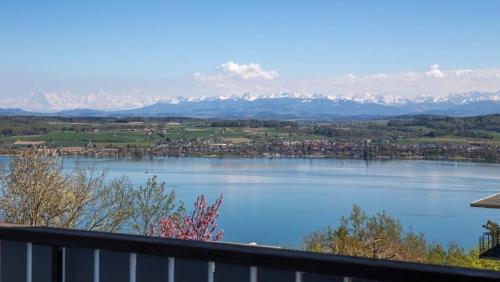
x=232 y=70
x=249 y=71
x=434 y=72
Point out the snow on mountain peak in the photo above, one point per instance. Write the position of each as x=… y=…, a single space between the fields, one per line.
x=49 y=102
x=100 y=100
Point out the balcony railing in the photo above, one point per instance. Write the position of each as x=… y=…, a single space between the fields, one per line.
x=34 y=254
x=489 y=244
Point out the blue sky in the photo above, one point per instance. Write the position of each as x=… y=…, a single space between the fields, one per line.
x=65 y=45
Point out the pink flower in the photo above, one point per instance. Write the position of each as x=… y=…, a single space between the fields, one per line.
x=201 y=225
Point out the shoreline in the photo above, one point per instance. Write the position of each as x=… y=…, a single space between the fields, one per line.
x=243 y=157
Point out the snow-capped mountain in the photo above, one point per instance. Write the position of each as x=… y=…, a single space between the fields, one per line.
x=249 y=105
x=51 y=102
x=476 y=96
x=318 y=106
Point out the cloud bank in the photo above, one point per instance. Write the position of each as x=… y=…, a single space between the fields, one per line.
x=235 y=79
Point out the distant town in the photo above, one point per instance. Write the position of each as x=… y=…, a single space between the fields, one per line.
x=402 y=137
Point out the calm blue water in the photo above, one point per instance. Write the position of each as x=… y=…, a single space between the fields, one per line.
x=272 y=201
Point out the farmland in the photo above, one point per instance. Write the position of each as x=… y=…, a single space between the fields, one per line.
x=400 y=137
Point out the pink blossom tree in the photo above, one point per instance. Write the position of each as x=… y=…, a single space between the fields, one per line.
x=201 y=225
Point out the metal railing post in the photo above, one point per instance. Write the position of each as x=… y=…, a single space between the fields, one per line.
x=253 y=274
x=63 y=265
x=211 y=271
x=133 y=266
x=298 y=276
x=171 y=269
x=96 y=265
x=496 y=237
x=29 y=261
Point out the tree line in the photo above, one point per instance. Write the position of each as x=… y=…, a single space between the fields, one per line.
x=380 y=236
x=460 y=126
x=36 y=191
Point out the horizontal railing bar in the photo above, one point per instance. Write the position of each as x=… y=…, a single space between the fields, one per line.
x=246 y=255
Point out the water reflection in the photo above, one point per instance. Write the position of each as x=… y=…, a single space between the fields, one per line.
x=273 y=201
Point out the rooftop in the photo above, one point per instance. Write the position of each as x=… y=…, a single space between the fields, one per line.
x=492 y=202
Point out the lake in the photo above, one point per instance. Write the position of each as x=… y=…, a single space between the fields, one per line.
x=279 y=201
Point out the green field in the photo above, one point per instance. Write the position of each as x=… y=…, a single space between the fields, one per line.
x=112 y=134
x=142 y=132
x=65 y=138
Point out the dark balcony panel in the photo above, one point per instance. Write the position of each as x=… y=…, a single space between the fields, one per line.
x=41 y=263
x=13 y=261
x=231 y=273
x=311 y=277
x=187 y=270
x=113 y=266
x=273 y=275
x=276 y=265
x=151 y=269
x=79 y=265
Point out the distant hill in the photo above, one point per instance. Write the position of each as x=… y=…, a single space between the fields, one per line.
x=464 y=126
x=13 y=112
x=82 y=113
x=266 y=108
x=317 y=108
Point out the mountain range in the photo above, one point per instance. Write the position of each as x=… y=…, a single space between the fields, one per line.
x=275 y=106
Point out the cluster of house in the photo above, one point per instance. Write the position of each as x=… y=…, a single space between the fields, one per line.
x=280 y=147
